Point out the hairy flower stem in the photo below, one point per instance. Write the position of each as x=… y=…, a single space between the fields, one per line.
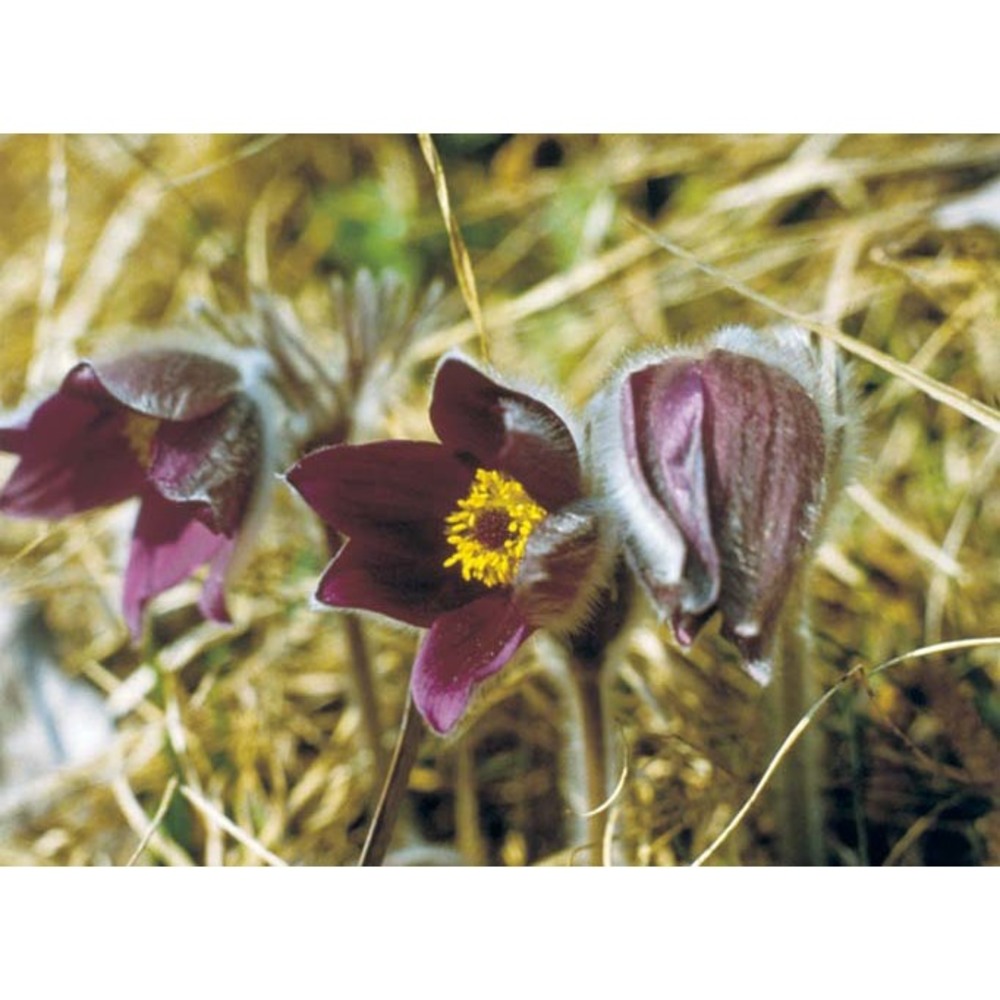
x=364 y=689
x=587 y=661
x=587 y=681
x=411 y=731
x=796 y=795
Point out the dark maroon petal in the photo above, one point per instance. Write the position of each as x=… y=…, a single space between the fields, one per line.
x=214 y=460
x=463 y=649
x=395 y=494
x=74 y=457
x=168 y=544
x=664 y=414
x=499 y=428
x=409 y=587
x=766 y=482
x=166 y=383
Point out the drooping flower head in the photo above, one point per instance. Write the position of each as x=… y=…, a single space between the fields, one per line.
x=480 y=538
x=185 y=431
x=719 y=462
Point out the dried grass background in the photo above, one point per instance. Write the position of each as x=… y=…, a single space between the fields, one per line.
x=245 y=745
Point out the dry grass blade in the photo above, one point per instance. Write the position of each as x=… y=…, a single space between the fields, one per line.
x=917 y=542
x=49 y=351
x=793 y=737
x=214 y=815
x=248 y=149
x=40 y=539
x=154 y=823
x=918 y=829
x=148 y=833
x=459 y=253
x=120 y=237
x=972 y=408
x=546 y=295
x=954 y=539
x=808 y=172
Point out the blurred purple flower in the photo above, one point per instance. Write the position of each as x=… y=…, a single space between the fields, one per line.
x=719 y=462
x=481 y=538
x=177 y=428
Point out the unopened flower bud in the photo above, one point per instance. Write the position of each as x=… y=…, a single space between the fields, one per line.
x=720 y=461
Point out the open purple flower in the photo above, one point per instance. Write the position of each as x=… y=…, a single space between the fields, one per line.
x=481 y=538
x=177 y=428
x=718 y=461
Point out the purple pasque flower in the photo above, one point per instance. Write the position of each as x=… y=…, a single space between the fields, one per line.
x=182 y=430
x=481 y=538
x=719 y=462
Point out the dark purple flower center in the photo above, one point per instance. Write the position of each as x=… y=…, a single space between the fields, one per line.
x=492 y=528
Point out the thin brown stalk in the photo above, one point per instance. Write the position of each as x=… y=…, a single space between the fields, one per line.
x=364 y=688
x=459 y=254
x=411 y=731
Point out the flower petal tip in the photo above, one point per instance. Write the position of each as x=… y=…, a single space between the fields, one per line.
x=463 y=649
x=316 y=604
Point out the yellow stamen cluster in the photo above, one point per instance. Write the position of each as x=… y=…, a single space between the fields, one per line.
x=472 y=528
x=139 y=431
